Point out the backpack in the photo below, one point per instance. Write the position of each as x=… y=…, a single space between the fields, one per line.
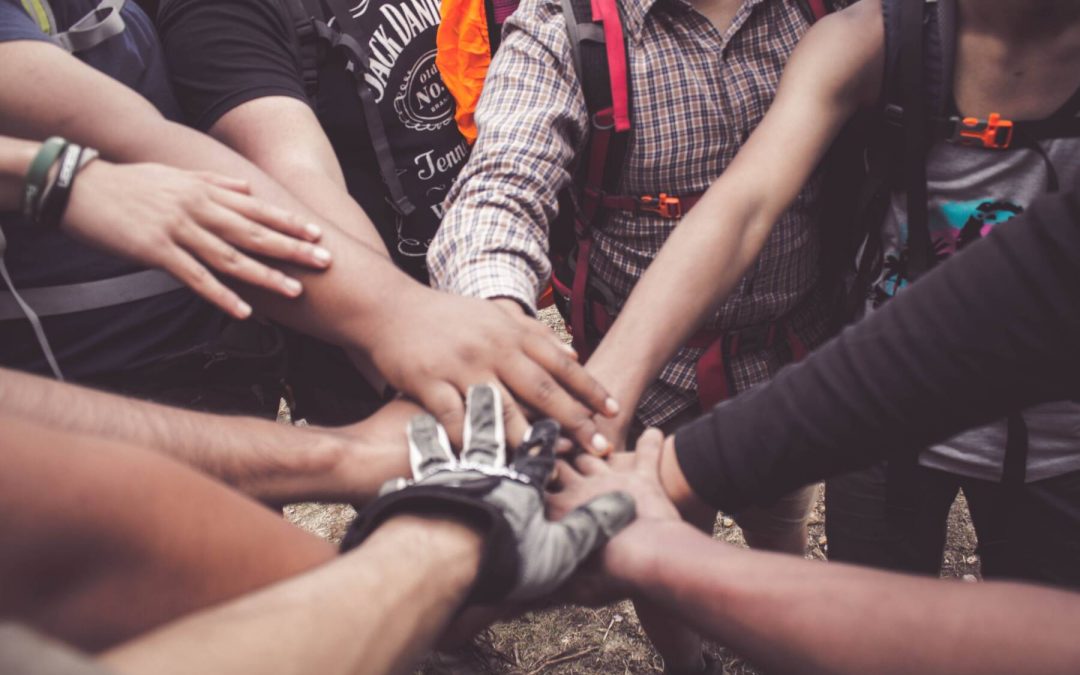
x=916 y=111
x=599 y=51
x=103 y=23
x=920 y=49
x=387 y=53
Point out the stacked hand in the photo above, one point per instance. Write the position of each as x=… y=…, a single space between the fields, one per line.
x=186 y=222
x=526 y=555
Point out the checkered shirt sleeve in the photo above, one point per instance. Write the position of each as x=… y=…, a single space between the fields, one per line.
x=532 y=122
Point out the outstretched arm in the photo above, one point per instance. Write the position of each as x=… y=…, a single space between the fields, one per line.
x=796 y=616
x=429 y=345
x=271 y=462
x=991 y=331
x=364 y=612
x=833 y=71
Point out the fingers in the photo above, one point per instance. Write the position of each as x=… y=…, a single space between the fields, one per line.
x=429 y=447
x=226 y=182
x=195 y=276
x=590 y=466
x=567 y=474
x=444 y=402
x=515 y=419
x=554 y=357
x=536 y=456
x=647 y=454
x=535 y=387
x=483 y=438
x=222 y=257
x=265 y=230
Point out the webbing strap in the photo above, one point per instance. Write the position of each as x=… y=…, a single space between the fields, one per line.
x=71 y=298
x=920 y=254
x=607 y=13
x=343 y=38
x=23 y=309
x=41 y=12
x=103 y=22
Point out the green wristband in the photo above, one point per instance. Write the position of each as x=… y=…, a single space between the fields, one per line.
x=38 y=173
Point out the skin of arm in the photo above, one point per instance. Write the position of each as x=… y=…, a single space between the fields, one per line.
x=272 y=462
x=834 y=70
x=413 y=335
x=364 y=612
x=282 y=136
x=796 y=616
x=181 y=221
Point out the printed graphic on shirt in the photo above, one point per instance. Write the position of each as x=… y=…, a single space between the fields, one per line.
x=953 y=225
x=416 y=108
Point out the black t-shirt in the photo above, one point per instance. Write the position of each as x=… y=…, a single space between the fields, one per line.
x=109 y=340
x=223 y=53
x=993 y=330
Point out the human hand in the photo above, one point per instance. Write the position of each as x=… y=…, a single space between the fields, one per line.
x=636 y=474
x=186 y=222
x=526 y=555
x=435 y=345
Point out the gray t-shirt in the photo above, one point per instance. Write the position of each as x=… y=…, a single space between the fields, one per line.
x=971 y=190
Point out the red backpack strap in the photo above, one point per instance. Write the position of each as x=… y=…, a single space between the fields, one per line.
x=599 y=50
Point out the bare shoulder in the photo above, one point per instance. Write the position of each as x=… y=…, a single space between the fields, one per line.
x=848 y=48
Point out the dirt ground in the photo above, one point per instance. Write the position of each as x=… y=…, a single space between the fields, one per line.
x=577 y=640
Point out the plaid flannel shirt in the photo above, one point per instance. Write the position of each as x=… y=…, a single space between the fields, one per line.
x=696 y=96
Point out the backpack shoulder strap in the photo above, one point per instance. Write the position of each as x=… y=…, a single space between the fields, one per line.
x=495 y=13
x=595 y=37
x=103 y=22
x=815 y=10
x=341 y=37
x=307 y=43
x=907 y=103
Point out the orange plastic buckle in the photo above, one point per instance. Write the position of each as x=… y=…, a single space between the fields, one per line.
x=993 y=133
x=666 y=206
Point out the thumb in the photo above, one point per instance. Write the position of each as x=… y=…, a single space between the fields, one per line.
x=556 y=550
x=608 y=514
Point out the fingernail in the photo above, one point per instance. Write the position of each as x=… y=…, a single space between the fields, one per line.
x=243 y=309
x=600 y=444
x=312 y=230
x=563 y=446
x=612 y=406
x=321 y=255
x=292 y=286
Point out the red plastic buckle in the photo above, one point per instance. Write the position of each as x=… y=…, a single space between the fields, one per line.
x=666 y=206
x=993 y=133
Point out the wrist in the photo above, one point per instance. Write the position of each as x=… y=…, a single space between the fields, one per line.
x=454 y=547
x=679 y=491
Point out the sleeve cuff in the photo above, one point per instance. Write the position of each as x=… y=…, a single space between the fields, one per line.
x=502 y=277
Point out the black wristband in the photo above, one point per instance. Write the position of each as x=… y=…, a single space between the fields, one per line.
x=499 y=563
x=56 y=198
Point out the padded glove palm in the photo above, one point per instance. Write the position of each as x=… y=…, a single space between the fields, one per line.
x=526 y=556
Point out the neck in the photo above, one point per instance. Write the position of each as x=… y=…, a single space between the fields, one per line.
x=1020 y=19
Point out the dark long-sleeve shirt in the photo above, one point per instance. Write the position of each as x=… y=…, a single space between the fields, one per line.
x=994 y=329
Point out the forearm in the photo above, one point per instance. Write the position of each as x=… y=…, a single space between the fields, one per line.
x=15 y=158
x=272 y=462
x=791 y=615
x=342 y=304
x=282 y=136
x=993 y=330
x=366 y=612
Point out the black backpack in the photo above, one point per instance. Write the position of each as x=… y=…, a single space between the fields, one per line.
x=917 y=111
